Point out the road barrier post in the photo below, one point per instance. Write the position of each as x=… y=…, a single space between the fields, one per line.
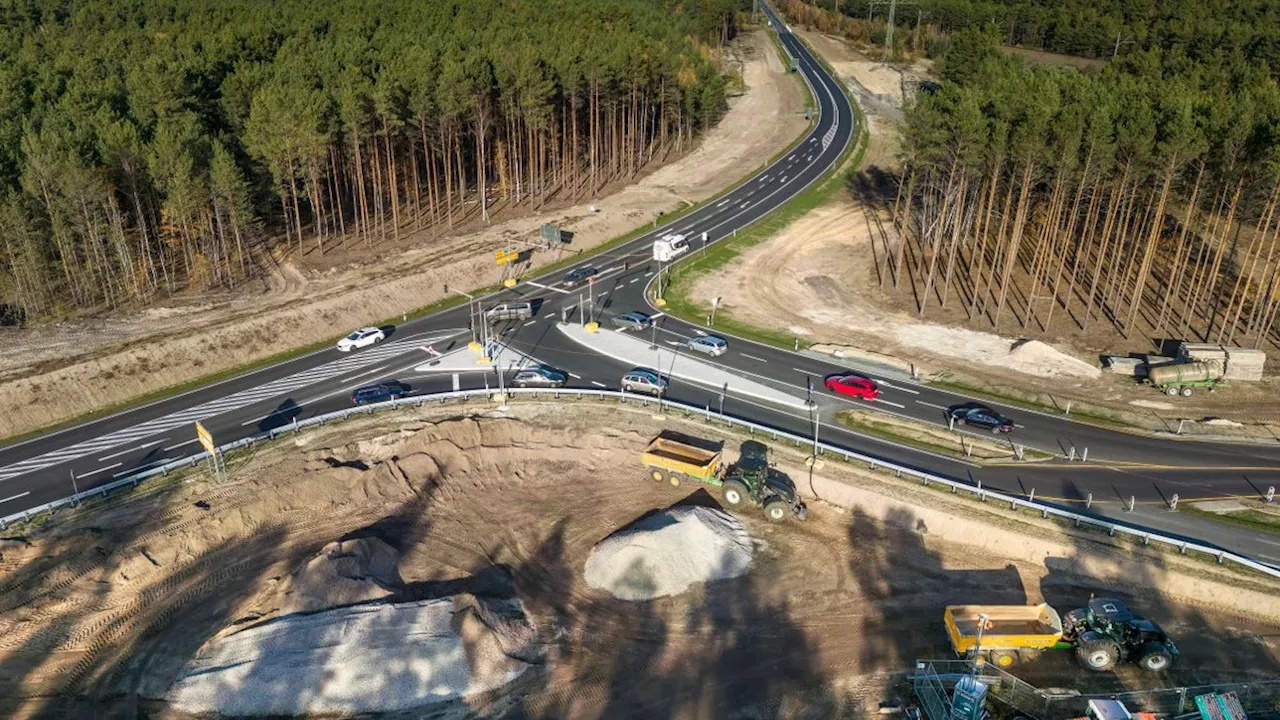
x=1022 y=452
x=1088 y=502
x=1271 y=493
x=1068 y=407
x=1132 y=500
x=1072 y=456
x=1180 y=423
x=796 y=344
x=951 y=424
x=1085 y=456
x=75 y=491
x=1173 y=503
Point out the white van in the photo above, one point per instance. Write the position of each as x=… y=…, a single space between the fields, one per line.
x=670 y=247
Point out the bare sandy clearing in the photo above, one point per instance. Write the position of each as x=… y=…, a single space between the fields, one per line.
x=52 y=373
x=103 y=608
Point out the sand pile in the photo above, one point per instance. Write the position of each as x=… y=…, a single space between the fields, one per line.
x=1038 y=358
x=666 y=552
x=343 y=573
x=364 y=658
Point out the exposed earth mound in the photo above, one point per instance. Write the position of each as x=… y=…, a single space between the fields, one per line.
x=343 y=573
x=666 y=552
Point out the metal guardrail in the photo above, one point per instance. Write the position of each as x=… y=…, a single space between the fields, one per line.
x=824 y=448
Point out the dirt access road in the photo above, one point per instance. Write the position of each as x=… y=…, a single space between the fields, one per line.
x=102 y=607
x=48 y=374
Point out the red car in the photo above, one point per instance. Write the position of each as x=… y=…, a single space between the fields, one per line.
x=854 y=385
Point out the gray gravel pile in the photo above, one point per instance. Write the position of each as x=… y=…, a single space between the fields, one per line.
x=668 y=551
x=366 y=658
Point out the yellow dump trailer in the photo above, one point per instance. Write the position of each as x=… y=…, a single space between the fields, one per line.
x=1005 y=630
x=670 y=458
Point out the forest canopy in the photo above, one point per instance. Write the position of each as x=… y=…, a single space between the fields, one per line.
x=148 y=146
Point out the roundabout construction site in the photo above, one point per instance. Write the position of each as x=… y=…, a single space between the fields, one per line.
x=450 y=560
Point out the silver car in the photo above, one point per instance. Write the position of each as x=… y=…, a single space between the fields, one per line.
x=644 y=380
x=709 y=344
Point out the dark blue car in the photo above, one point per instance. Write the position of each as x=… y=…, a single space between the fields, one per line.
x=381 y=392
x=576 y=277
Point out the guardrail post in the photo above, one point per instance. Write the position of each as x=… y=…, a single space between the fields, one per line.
x=1088 y=501
x=1271 y=493
x=1183 y=548
x=1020 y=452
x=1085 y=456
x=1068 y=407
x=1132 y=500
x=1072 y=456
x=1220 y=556
x=1180 y=423
x=1173 y=503
x=797 y=344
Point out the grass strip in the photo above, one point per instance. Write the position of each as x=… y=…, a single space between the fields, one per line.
x=1252 y=519
x=1079 y=412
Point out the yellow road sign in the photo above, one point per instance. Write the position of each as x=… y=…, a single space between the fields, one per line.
x=502 y=257
x=205 y=439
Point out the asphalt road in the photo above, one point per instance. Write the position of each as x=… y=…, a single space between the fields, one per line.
x=1121 y=465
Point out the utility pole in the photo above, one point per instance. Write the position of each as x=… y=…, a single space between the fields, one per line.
x=888 y=31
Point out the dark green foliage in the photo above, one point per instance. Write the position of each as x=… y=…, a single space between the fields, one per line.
x=147 y=146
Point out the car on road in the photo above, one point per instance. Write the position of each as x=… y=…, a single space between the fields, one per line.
x=363 y=337
x=631 y=321
x=644 y=380
x=709 y=344
x=509 y=311
x=379 y=392
x=539 y=376
x=981 y=416
x=578 y=276
x=854 y=386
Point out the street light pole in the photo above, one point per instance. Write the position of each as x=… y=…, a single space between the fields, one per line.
x=471 y=313
x=724 y=389
x=74 y=488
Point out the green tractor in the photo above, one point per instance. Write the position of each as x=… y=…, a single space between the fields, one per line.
x=752 y=480
x=1106 y=632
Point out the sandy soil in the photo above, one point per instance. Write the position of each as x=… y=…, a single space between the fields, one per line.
x=102 y=606
x=48 y=374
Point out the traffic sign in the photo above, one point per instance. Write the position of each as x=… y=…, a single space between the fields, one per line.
x=206 y=439
x=550 y=233
x=502 y=257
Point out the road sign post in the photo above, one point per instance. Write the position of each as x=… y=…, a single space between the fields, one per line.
x=206 y=440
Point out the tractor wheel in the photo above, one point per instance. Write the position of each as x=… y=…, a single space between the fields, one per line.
x=1096 y=653
x=1004 y=659
x=1155 y=657
x=657 y=475
x=776 y=509
x=1171 y=391
x=1186 y=392
x=734 y=493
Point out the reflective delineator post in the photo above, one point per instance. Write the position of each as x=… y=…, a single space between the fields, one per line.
x=1173 y=502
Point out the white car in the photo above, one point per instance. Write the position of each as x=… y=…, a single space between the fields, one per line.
x=361 y=338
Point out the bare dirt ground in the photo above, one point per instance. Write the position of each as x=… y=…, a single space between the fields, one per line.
x=101 y=607
x=48 y=374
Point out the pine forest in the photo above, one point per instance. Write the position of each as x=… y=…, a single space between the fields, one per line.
x=152 y=146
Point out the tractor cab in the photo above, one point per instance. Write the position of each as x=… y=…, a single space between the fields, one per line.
x=1109 y=616
x=1105 y=632
x=752 y=477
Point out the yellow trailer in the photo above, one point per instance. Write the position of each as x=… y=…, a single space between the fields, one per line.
x=671 y=457
x=1003 y=630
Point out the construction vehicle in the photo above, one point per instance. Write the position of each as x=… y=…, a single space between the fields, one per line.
x=1182 y=378
x=673 y=458
x=1102 y=633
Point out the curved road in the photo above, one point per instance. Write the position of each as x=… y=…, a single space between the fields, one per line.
x=1121 y=465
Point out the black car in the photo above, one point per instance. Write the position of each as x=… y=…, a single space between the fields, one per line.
x=983 y=417
x=576 y=277
x=380 y=392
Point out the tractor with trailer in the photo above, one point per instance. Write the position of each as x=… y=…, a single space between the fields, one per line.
x=1184 y=377
x=1103 y=633
x=673 y=458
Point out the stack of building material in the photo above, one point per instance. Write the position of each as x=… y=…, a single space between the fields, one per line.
x=1238 y=363
x=1244 y=364
x=1128 y=366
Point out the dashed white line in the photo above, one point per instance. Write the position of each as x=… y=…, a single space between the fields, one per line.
x=575 y=376
x=101 y=469
x=175 y=447
x=15 y=497
x=806 y=372
x=649 y=274
x=125 y=452
x=635 y=280
x=886 y=402
x=153 y=463
x=597 y=384
x=753 y=357
x=940 y=407
x=530 y=323
x=898 y=388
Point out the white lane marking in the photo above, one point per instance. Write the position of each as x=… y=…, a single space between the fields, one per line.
x=634 y=281
x=898 y=388
x=603 y=294
x=655 y=316
x=123 y=452
x=940 y=407
x=648 y=274
x=15 y=497
x=784 y=179
x=153 y=463
x=753 y=357
x=806 y=372
x=370 y=372
x=546 y=287
x=722 y=203
x=175 y=447
x=597 y=384
x=529 y=323
x=575 y=376
x=457 y=383
x=886 y=402
x=101 y=469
